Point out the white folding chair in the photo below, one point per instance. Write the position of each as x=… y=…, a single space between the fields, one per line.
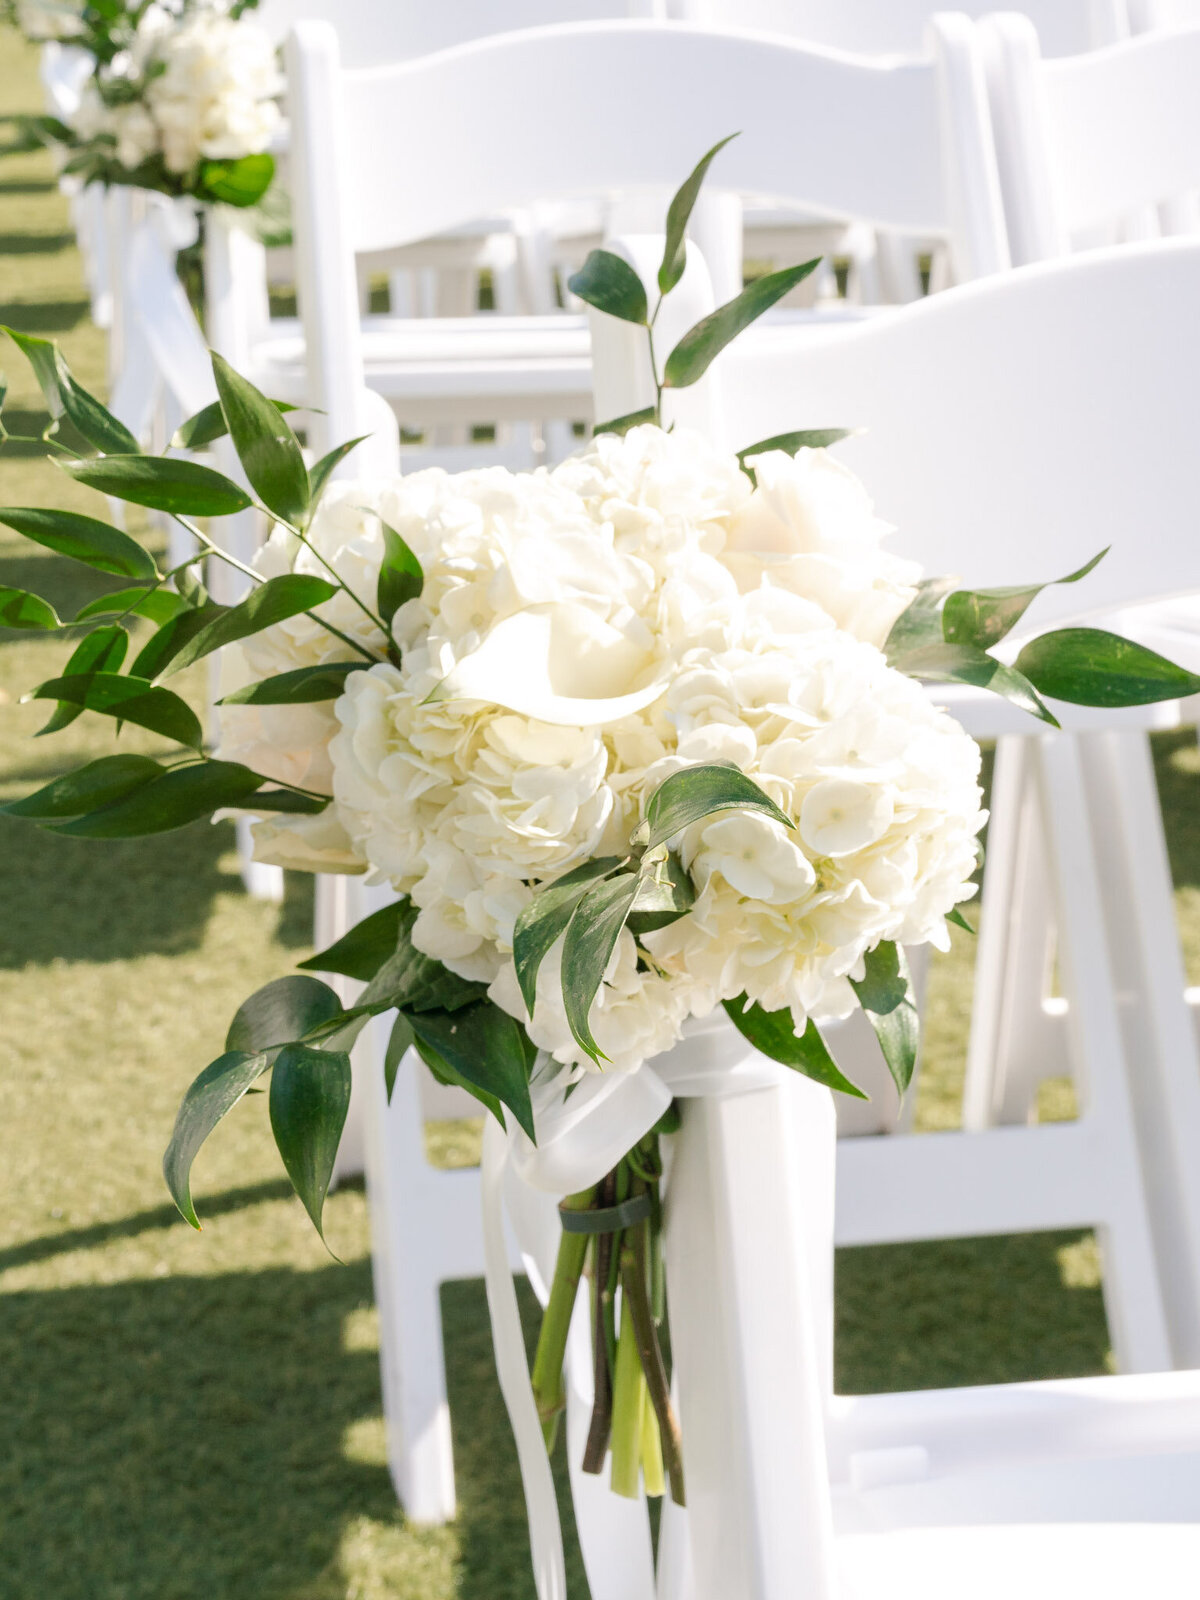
x=934 y=175
x=1005 y=384
x=884 y=265
x=1086 y=143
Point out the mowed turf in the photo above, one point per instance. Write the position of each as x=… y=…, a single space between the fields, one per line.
x=197 y=1417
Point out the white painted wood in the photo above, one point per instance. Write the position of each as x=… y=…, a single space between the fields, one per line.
x=896 y=27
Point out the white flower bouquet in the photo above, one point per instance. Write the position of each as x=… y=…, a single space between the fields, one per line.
x=634 y=741
x=182 y=99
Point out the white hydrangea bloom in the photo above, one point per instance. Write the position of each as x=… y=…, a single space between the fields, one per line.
x=201 y=86
x=581 y=634
x=215 y=95
x=41 y=20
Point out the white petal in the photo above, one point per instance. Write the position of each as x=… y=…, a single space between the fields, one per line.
x=559 y=663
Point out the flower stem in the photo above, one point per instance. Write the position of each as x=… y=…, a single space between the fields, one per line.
x=636 y=1299
x=652 y=1461
x=600 y=1427
x=628 y=1391
x=547 y=1378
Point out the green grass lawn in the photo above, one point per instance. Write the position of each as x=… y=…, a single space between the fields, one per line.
x=190 y=1417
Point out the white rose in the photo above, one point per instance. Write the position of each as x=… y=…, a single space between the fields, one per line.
x=810 y=527
x=305 y=844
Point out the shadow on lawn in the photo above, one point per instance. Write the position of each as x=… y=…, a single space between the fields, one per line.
x=183 y=1439
x=186 y=1439
x=108 y=900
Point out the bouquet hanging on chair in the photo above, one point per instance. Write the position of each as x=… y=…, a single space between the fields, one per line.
x=632 y=740
x=182 y=99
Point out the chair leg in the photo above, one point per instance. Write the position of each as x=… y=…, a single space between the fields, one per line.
x=412 y=1359
x=1132 y=1289
x=1155 y=1020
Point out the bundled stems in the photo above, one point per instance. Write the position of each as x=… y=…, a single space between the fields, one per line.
x=636 y=1298
x=632 y=1413
x=547 y=1377
x=629 y=1391
x=600 y=1426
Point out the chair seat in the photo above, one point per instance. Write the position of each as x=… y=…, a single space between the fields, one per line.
x=1114 y=1561
x=482 y=368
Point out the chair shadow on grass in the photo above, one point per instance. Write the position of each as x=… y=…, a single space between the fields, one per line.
x=184 y=1438
x=108 y=900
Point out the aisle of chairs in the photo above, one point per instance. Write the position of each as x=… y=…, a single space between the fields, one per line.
x=1042 y=171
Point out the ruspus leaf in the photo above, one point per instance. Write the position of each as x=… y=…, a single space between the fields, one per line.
x=610 y=284
x=266 y=446
x=310 y=1096
x=679 y=214
x=774 y=1033
x=695 y=792
x=69 y=533
x=701 y=345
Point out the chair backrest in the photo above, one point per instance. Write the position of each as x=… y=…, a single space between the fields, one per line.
x=1013 y=427
x=534 y=119
x=897 y=27
x=1091 y=139
x=369 y=32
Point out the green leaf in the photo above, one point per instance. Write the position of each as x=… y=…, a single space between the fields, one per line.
x=791 y=444
x=400 y=577
x=172 y=800
x=695 y=792
x=272 y=602
x=963 y=663
x=320 y=474
x=242 y=182
x=982 y=617
x=164 y=483
x=310 y=1096
x=414 y=981
x=97 y=544
x=1089 y=667
x=131 y=699
x=216 y=1091
x=545 y=917
x=21 y=609
x=591 y=936
x=102 y=650
x=43 y=357
x=361 y=952
x=400 y=1039
x=774 y=1033
x=288 y=800
x=487 y=1048
x=631 y=419
x=919 y=625
x=280 y=1012
x=678 y=215
x=610 y=284
x=700 y=346
x=188 y=581
x=885 y=993
x=441 y=1070
x=959 y=921
x=64 y=396
x=93 y=420
x=208 y=425
x=301 y=686
x=159 y=605
x=266 y=446
x=665 y=894
x=97 y=784
x=165 y=643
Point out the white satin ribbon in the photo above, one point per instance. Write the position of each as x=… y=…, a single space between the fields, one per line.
x=579 y=1140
